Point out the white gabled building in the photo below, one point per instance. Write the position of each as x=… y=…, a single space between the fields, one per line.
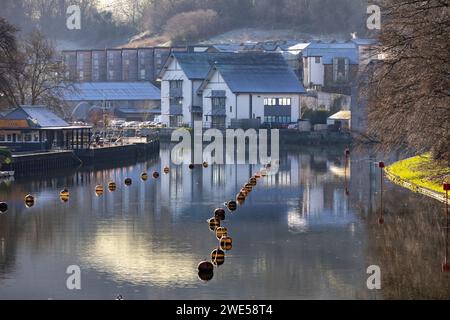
x=229 y=90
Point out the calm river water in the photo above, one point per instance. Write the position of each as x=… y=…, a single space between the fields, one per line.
x=298 y=236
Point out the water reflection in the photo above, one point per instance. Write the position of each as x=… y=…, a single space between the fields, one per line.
x=300 y=234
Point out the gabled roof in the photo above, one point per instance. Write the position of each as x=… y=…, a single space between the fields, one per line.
x=196 y=65
x=330 y=50
x=256 y=73
x=113 y=91
x=38 y=116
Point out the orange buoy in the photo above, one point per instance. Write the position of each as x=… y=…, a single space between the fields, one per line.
x=213 y=223
x=218 y=257
x=232 y=205
x=243 y=191
x=205 y=164
x=240 y=198
x=112 y=186
x=221 y=232
x=219 y=214
x=258 y=175
x=99 y=191
x=166 y=170
x=253 y=182
x=248 y=187
x=226 y=243
x=64 y=195
x=155 y=175
x=144 y=176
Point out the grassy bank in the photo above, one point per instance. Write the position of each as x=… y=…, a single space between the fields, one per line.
x=422 y=172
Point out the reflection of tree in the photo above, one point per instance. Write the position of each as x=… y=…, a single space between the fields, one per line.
x=410 y=247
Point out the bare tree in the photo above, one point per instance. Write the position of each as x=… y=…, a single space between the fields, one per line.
x=7 y=49
x=409 y=96
x=35 y=75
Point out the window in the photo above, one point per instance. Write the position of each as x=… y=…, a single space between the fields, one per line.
x=218 y=102
x=36 y=138
x=9 y=138
x=28 y=138
x=272 y=102
x=231 y=109
x=2 y=137
x=318 y=59
x=176 y=84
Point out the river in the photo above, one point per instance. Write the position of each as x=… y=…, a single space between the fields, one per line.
x=308 y=232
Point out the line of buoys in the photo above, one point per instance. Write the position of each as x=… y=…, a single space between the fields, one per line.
x=112 y=186
x=205 y=268
x=99 y=191
x=29 y=200
x=128 y=182
x=144 y=176
x=3 y=207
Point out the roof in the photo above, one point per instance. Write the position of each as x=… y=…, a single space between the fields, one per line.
x=364 y=42
x=196 y=65
x=330 y=50
x=113 y=91
x=341 y=115
x=256 y=73
x=37 y=116
x=138 y=111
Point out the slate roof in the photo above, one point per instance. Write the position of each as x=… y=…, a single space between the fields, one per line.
x=113 y=91
x=37 y=116
x=256 y=73
x=330 y=50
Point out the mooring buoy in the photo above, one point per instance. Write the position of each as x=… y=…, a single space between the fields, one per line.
x=218 y=257
x=128 y=182
x=232 y=205
x=29 y=200
x=3 y=207
x=166 y=170
x=206 y=275
x=219 y=213
x=64 y=195
x=112 y=186
x=99 y=191
x=226 y=243
x=155 y=175
x=205 y=165
x=205 y=266
x=213 y=223
x=144 y=176
x=240 y=198
x=221 y=232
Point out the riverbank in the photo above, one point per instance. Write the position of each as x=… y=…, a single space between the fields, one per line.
x=420 y=174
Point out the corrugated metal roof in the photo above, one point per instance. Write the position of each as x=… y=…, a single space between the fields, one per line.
x=40 y=116
x=331 y=50
x=113 y=91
